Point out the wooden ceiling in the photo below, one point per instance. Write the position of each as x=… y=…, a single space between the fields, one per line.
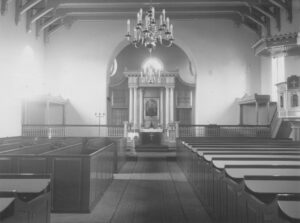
x=49 y=15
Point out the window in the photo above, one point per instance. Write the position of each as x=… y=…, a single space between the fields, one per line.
x=294 y=100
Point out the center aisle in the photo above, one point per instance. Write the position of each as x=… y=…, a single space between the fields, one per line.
x=152 y=189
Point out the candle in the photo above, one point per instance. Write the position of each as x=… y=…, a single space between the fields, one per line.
x=160 y=20
x=141 y=14
x=153 y=12
x=164 y=15
x=168 y=23
x=135 y=33
x=128 y=26
x=171 y=29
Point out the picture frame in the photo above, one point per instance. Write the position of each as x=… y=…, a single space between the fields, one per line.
x=151 y=108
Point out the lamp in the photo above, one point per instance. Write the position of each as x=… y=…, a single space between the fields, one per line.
x=148 y=33
x=99 y=115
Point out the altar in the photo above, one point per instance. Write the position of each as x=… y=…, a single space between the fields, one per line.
x=151 y=136
x=157 y=102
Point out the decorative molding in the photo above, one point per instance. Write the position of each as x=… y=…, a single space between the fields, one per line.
x=253 y=99
x=278 y=44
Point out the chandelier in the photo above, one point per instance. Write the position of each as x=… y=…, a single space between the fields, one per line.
x=148 y=33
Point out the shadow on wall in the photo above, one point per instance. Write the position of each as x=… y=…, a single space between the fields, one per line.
x=71 y=113
x=230 y=115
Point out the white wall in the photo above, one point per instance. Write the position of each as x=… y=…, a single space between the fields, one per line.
x=226 y=67
x=77 y=61
x=21 y=75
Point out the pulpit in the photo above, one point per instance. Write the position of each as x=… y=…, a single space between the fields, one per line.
x=288 y=105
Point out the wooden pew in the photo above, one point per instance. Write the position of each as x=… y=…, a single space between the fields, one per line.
x=244 y=145
x=6 y=209
x=8 y=146
x=80 y=174
x=258 y=202
x=202 y=174
x=232 y=188
x=289 y=206
x=216 y=176
x=32 y=197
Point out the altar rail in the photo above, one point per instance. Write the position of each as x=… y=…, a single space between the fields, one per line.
x=224 y=131
x=73 y=130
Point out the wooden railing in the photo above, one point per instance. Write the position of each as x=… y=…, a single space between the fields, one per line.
x=73 y=130
x=224 y=131
x=275 y=124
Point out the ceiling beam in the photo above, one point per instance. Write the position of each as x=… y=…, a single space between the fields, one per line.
x=4 y=6
x=48 y=23
x=285 y=5
x=108 y=16
x=182 y=13
x=121 y=15
x=40 y=14
x=144 y=3
x=18 y=5
x=52 y=29
x=134 y=10
x=273 y=14
x=28 y=5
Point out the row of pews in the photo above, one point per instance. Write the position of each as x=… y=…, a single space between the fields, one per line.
x=244 y=180
x=39 y=176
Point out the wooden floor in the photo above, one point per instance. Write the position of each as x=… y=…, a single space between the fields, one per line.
x=152 y=189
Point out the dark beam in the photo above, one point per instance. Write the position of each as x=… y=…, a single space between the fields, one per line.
x=18 y=5
x=142 y=3
x=253 y=26
x=108 y=16
x=52 y=29
x=48 y=23
x=28 y=5
x=276 y=11
x=4 y=5
x=285 y=5
x=40 y=14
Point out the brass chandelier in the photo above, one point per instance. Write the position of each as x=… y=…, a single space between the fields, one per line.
x=148 y=33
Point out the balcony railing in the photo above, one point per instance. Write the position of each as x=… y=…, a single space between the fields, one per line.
x=73 y=130
x=224 y=131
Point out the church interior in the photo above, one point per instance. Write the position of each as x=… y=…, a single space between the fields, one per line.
x=149 y=111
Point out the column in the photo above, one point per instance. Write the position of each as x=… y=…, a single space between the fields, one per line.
x=141 y=107
x=130 y=104
x=167 y=106
x=256 y=111
x=161 y=107
x=171 y=105
x=64 y=114
x=241 y=115
x=268 y=112
x=47 y=120
x=135 y=108
x=47 y=115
